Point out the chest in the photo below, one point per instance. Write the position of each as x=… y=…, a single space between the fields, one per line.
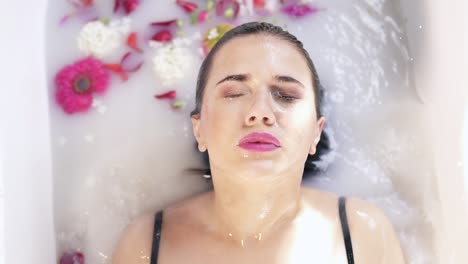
x=297 y=248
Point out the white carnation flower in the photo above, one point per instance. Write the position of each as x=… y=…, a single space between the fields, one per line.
x=173 y=61
x=245 y=8
x=100 y=39
x=271 y=6
x=213 y=33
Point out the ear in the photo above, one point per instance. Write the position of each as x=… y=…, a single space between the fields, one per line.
x=197 y=133
x=318 y=133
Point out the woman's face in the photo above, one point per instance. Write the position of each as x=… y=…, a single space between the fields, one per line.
x=258 y=83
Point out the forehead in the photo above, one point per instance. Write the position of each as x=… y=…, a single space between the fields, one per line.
x=261 y=56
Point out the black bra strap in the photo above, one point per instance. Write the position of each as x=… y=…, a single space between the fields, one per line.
x=345 y=229
x=156 y=237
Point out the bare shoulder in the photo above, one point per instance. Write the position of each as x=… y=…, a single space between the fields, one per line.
x=135 y=242
x=134 y=245
x=373 y=236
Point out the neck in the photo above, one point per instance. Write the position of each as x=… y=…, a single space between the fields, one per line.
x=249 y=208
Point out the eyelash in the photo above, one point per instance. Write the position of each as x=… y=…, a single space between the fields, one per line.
x=283 y=97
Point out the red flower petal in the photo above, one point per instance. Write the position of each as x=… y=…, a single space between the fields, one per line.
x=168 y=95
x=219 y=7
x=130 y=6
x=125 y=63
x=66 y=17
x=189 y=7
x=87 y=15
x=81 y=3
x=72 y=258
x=87 y=2
x=116 y=5
x=162 y=36
x=202 y=16
x=223 y=5
x=83 y=10
x=259 y=3
x=132 y=41
x=116 y=68
x=164 y=23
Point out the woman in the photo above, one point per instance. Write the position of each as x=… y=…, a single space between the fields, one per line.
x=258 y=116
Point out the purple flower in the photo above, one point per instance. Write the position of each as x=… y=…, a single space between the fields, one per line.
x=299 y=10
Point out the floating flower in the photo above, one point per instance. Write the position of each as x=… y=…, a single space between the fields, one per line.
x=228 y=8
x=83 y=9
x=298 y=9
x=265 y=8
x=213 y=35
x=173 y=61
x=117 y=68
x=259 y=3
x=101 y=38
x=127 y=64
x=86 y=2
x=210 y=5
x=202 y=16
x=178 y=104
x=171 y=95
x=198 y=16
x=132 y=42
x=168 y=95
x=76 y=83
x=164 y=23
x=129 y=5
x=189 y=7
x=162 y=36
x=72 y=258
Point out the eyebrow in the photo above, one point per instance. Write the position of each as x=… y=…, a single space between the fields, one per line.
x=245 y=77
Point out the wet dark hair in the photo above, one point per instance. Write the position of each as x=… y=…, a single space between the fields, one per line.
x=267 y=29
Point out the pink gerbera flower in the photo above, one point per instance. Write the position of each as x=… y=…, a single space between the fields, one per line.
x=76 y=83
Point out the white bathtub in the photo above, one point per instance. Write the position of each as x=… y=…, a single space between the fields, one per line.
x=26 y=212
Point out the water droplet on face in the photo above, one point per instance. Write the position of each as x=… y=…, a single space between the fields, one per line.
x=230 y=234
x=246 y=156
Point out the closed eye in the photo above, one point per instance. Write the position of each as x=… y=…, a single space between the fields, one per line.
x=285 y=97
x=233 y=95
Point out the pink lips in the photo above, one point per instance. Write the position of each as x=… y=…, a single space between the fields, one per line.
x=259 y=142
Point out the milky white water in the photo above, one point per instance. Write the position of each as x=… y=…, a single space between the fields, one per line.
x=127 y=155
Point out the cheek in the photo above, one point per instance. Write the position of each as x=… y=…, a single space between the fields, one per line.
x=299 y=124
x=221 y=120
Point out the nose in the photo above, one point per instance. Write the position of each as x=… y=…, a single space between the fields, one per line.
x=260 y=111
